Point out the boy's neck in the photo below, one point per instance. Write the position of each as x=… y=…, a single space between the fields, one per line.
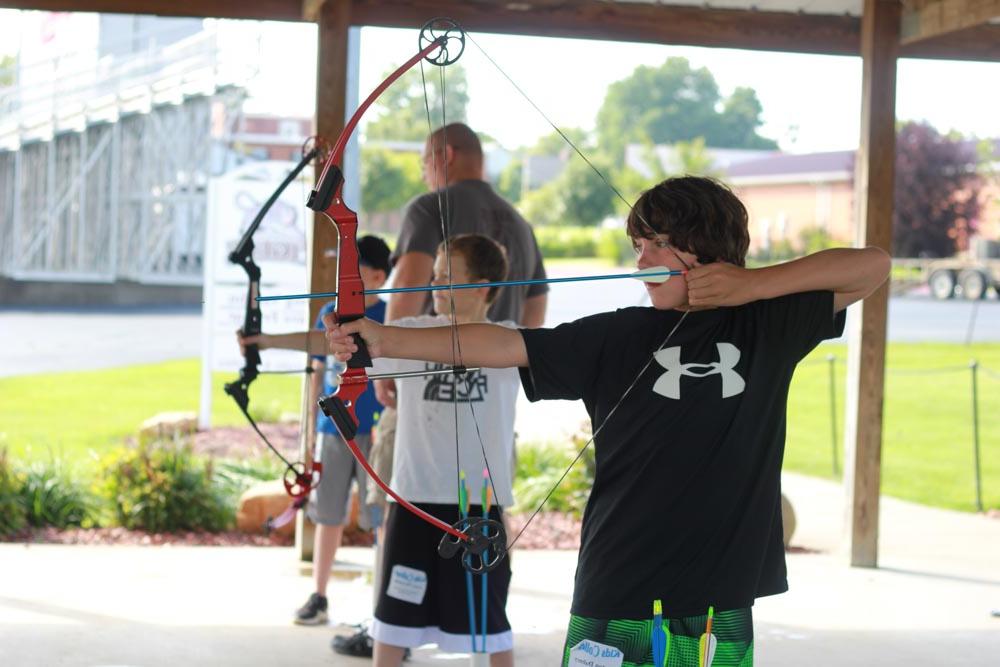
x=371 y=300
x=476 y=315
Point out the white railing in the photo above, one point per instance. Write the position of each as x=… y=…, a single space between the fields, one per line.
x=73 y=90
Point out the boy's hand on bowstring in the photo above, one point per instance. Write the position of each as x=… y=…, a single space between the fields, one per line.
x=340 y=343
x=720 y=284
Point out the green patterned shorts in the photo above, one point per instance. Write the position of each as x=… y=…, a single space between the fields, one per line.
x=733 y=629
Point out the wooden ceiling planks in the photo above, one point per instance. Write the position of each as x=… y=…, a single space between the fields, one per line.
x=802 y=32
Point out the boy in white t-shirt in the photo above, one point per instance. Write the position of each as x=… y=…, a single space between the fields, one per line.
x=423 y=597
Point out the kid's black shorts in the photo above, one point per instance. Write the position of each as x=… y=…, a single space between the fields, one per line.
x=424 y=598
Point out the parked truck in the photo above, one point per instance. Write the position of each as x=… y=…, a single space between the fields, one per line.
x=969 y=275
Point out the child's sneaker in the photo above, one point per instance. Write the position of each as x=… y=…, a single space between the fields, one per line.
x=313 y=612
x=358 y=645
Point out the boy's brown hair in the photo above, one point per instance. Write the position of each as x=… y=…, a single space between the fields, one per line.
x=485 y=259
x=698 y=215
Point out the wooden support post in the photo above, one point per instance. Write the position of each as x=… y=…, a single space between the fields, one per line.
x=874 y=173
x=334 y=18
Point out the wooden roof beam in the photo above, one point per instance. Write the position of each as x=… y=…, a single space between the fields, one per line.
x=588 y=19
x=312 y=10
x=928 y=19
x=629 y=21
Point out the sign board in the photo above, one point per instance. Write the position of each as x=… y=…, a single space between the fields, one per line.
x=281 y=250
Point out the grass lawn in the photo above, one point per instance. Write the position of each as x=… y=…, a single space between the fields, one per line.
x=71 y=413
x=927 y=455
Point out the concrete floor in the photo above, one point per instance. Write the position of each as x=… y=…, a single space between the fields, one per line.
x=928 y=604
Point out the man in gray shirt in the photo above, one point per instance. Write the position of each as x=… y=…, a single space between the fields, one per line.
x=453 y=171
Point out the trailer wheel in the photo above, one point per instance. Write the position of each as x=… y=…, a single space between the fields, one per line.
x=942 y=284
x=973 y=284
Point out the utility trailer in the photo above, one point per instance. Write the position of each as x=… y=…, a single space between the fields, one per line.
x=969 y=275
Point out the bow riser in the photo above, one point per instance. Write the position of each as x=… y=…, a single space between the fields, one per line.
x=327 y=198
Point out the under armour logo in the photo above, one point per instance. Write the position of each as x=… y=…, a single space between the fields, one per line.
x=669 y=384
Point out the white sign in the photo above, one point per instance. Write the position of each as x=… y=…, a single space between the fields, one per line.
x=594 y=654
x=407 y=584
x=281 y=250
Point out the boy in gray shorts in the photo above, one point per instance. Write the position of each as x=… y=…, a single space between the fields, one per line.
x=331 y=500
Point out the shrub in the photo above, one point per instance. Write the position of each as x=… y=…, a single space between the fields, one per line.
x=53 y=496
x=814 y=239
x=233 y=477
x=164 y=487
x=266 y=412
x=567 y=241
x=539 y=468
x=615 y=246
x=13 y=517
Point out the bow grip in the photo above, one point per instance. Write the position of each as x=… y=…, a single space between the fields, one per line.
x=361 y=358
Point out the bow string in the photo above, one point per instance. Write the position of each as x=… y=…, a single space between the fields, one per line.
x=298 y=477
x=441 y=43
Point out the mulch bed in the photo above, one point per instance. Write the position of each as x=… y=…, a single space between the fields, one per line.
x=105 y=536
x=548 y=531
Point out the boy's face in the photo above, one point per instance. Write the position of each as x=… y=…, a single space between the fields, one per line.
x=657 y=251
x=371 y=278
x=467 y=301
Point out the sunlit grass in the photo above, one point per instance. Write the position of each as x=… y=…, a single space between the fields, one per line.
x=927 y=451
x=68 y=414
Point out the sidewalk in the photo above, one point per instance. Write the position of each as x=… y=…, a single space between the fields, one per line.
x=928 y=604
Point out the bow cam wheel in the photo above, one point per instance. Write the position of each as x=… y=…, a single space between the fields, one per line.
x=450 y=38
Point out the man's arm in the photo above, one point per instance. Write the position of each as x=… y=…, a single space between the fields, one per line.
x=533 y=315
x=486 y=345
x=850 y=273
x=413 y=269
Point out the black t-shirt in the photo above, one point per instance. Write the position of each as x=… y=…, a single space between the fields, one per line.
x=686 y=501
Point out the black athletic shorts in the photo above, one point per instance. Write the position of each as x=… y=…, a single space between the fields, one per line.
x=424 y=598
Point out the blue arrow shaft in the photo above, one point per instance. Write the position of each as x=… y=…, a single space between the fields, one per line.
x=437 y=288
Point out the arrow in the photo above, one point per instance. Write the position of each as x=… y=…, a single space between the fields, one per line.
x=707 y=643
x=654 y=274
x=660 y=637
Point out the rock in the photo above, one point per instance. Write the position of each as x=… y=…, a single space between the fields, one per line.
x=261 y=502
x=289 y=418
x=168 y=426
x=787 y=519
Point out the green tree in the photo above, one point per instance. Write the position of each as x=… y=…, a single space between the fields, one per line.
x=509 y=180
x=7 y=64
x=674 y=102
x=936 y=193
x=553 y=143
x=587 y=199
x=739 y=121
x=578 y=196
x=688 y=158
x=401 y=111
x=389 y=179
x=544 y=206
